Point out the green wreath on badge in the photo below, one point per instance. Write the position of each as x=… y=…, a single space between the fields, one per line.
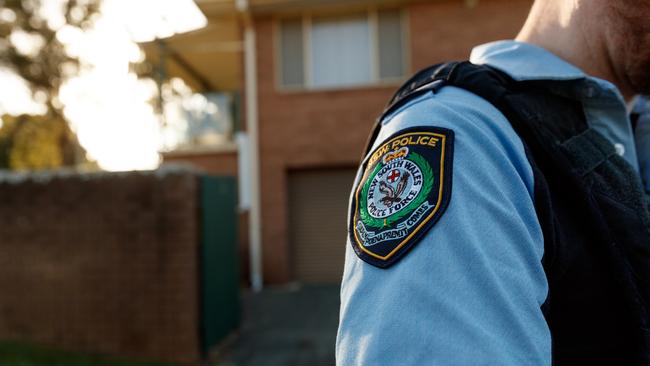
x=428 y=178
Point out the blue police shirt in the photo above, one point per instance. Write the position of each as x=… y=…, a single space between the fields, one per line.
x=470 y=292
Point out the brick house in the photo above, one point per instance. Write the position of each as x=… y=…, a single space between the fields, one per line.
x=322 y=72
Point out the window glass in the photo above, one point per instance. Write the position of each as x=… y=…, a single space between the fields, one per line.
x=340 y=52
x=197 y=121
x=391 y=48
x=291 y=44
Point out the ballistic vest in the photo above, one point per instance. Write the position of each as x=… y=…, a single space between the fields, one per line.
x=591 y=207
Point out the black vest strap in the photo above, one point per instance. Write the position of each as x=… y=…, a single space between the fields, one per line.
x=427 y=80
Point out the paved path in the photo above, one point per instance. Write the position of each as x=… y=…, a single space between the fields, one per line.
x=288 y=326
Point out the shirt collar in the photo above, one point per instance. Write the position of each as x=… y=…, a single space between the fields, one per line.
x=604 y=106
x=524 y=61
x=531 y=62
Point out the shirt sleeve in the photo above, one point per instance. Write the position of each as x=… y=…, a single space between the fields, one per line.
x=469 y=293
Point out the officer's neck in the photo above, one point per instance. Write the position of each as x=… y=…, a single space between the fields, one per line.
x=570 y=32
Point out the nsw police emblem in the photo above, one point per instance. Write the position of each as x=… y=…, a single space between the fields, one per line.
x=405 y=188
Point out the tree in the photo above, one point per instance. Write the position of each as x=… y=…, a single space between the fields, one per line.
x=44 y=67
x=38 y=142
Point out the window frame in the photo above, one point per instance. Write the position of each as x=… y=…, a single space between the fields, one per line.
x=372 y=16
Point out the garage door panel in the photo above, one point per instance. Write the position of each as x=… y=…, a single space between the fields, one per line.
x=318 y=205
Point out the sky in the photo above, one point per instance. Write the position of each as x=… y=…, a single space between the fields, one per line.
x=107 y=107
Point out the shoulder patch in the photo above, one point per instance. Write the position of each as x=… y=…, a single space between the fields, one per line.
x=405 y=188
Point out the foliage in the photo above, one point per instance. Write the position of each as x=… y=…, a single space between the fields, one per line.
x=15 y=354
x=46 y=66
x=37 y=142
x=32 y=142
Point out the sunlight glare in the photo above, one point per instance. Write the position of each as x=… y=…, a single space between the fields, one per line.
x=108 y=107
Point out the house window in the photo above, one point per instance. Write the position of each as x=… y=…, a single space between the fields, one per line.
x=292 y=53
x=198 y=121
x=327 y=52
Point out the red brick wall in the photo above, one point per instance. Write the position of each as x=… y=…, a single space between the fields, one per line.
x=447 y=30
x=214 y=163
x=329 y=128
x=302 y=130
x=103 y=263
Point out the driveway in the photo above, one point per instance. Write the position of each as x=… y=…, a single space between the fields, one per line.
x=284 y=326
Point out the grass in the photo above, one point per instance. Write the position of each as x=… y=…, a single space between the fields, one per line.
x=20 y=354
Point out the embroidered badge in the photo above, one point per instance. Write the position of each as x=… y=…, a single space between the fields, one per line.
x=405 y=188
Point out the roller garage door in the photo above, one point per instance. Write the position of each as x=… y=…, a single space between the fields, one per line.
x=318 y=205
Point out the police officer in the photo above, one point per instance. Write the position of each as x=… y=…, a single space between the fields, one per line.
x=498 y=216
